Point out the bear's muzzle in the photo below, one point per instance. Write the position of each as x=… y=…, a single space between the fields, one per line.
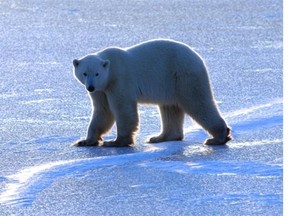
x=90 y=88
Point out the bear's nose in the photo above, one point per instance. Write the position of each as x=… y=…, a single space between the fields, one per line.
x=90 y=88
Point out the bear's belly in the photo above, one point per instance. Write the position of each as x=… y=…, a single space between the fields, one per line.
x=158 y=95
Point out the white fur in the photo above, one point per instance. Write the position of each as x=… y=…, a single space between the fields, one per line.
x=163 y=72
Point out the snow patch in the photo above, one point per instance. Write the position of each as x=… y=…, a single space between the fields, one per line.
x=217 y=167
x=23 y=186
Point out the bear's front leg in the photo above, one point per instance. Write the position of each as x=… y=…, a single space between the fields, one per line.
x=93 y=135
x=120 y=142
x=102 y=120
x=86 y=143
x=127 y=120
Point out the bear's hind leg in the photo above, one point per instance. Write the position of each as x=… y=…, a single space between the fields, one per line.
x=172 y=119
x=220 y=140
x=210 y=119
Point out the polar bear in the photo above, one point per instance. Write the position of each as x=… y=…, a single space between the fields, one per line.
x=163 y=72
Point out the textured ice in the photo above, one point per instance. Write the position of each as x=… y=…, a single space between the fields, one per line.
x=43 y=110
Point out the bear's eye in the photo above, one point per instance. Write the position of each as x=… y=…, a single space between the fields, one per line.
x=84 y=74
x=97 y=74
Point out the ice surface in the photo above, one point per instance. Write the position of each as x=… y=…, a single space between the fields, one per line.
x=43 y=110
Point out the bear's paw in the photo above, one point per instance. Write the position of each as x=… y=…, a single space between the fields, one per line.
x=85 y=143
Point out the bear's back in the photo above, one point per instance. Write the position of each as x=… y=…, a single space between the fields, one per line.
x=155 y=66
x=173 y=55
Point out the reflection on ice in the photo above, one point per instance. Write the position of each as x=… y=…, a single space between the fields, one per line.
x=23 y=178
x=23 y=186
x=8 y=95
x=46 y=100
x=253 y=109
x=255 y=143
x=217 y=168
x=192 y=150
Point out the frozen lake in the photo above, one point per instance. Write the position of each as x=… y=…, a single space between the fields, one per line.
x=43 y=109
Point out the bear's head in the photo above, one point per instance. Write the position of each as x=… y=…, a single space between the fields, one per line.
x=93 y=72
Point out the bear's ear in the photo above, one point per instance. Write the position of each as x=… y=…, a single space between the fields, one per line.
x=76 y=62
x=105 y=63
